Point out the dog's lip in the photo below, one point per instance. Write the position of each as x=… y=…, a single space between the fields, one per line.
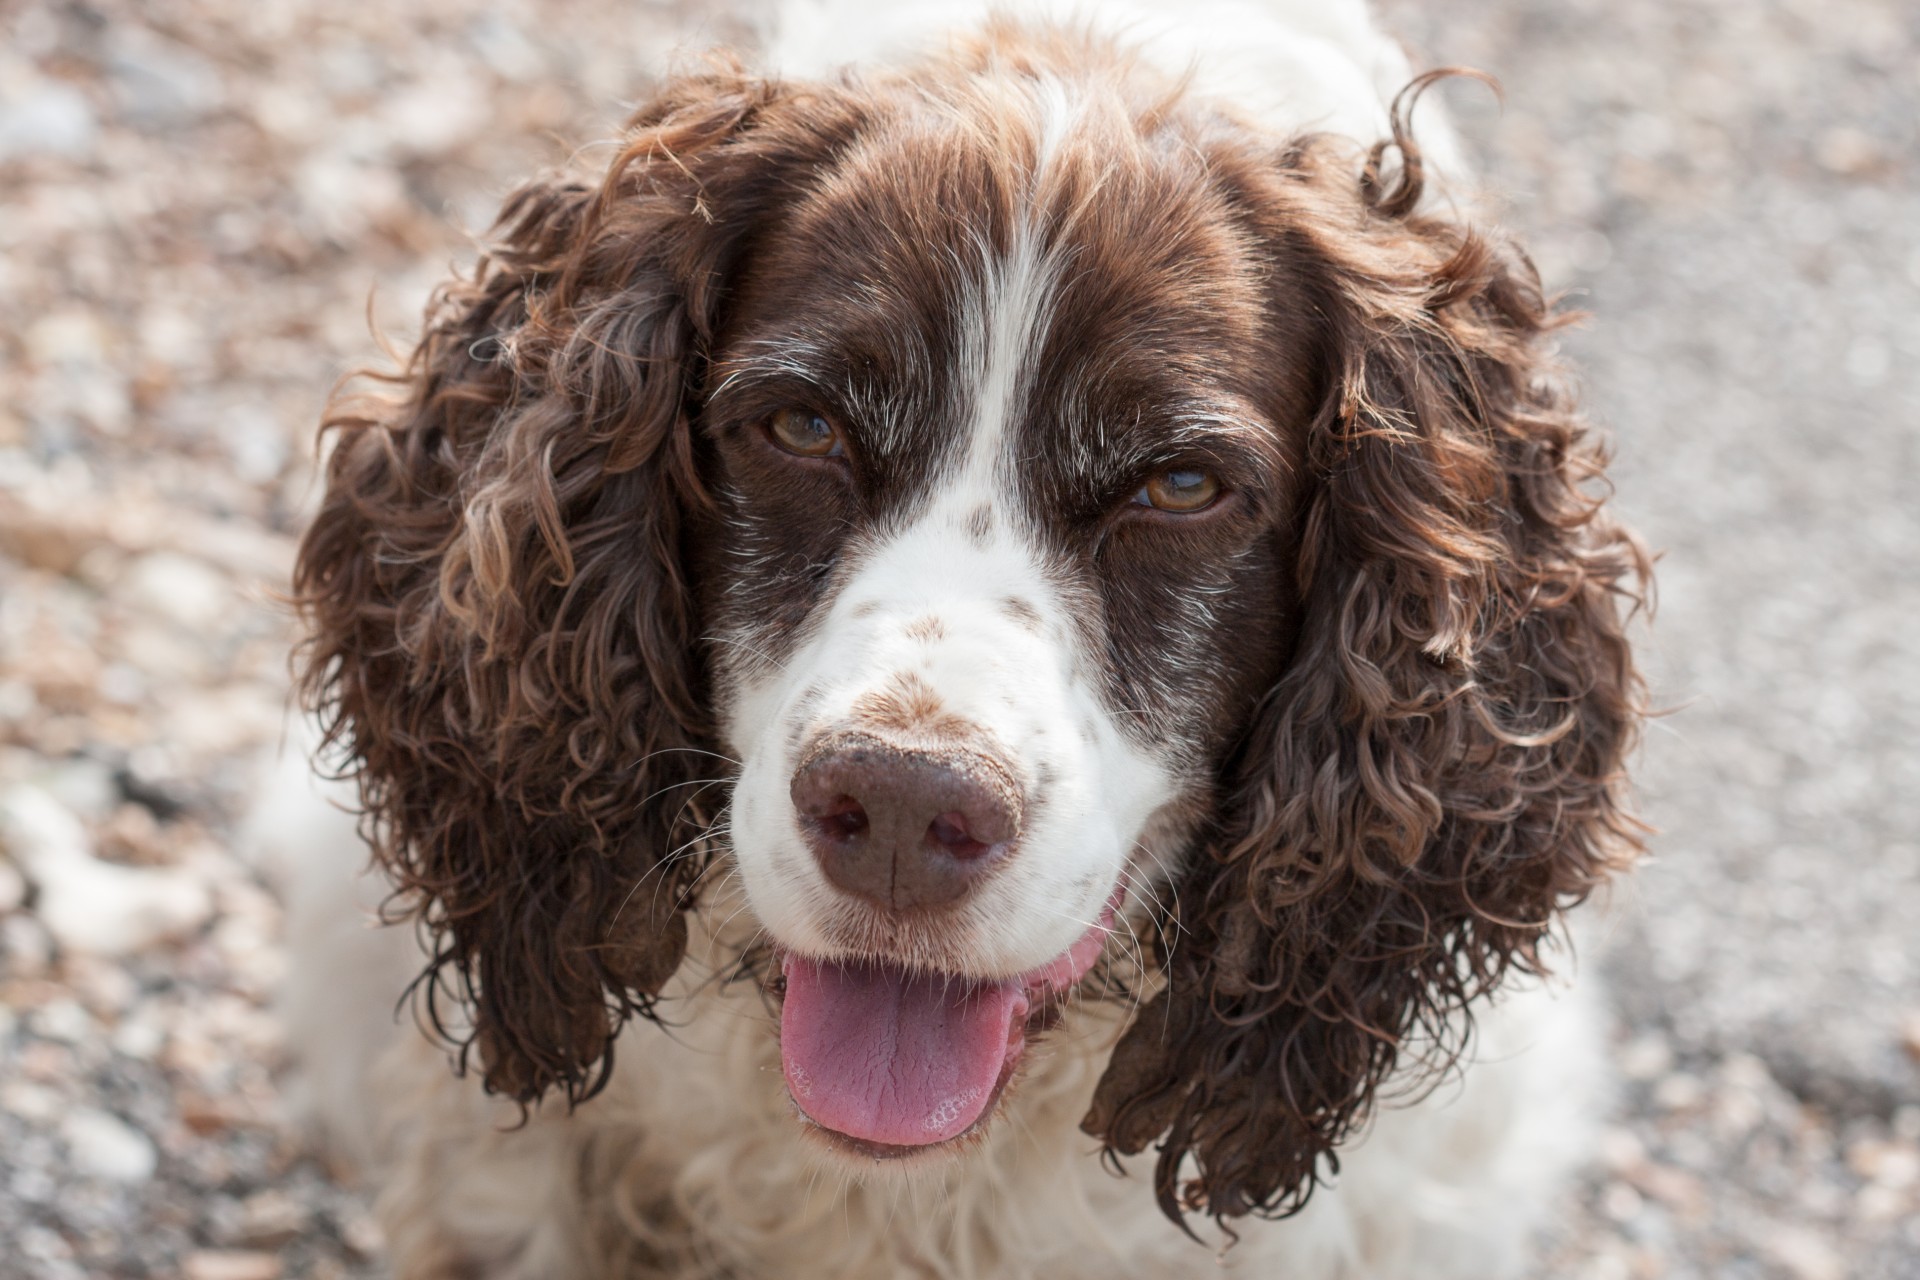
x=1044 y=982
x=1044 y=987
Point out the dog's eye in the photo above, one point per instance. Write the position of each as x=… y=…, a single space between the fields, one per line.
x=806 y=433
x=1182 y=491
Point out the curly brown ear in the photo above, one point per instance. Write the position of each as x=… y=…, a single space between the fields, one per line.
x=1438 y=772
x=503 y=639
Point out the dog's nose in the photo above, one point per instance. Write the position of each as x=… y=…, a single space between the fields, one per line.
x=905 y=826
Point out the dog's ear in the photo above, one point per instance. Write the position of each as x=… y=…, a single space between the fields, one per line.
x=503 y=639
x=1437 y=773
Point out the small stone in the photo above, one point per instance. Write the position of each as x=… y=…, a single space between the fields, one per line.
x=13 y=888
x=1847 y=151
x=160 y=83
x=1646 y=1057
x=140 y=1036
x=230 y=1264
x=185 y=591
x=132 y=834
x=102 y=1145
x=361 y=1233
x=33 y=538
x=436 y=114
x=25 y=946
x=1876 y=1204
x=86 y=904
x=270 y=1219
x=46 y=1062
x=34 y=1103
x=72 y=338
x=1675 y=1188
x=64 y=1020
x=1895 y=1165
x=1621 y=1150
x=1745 y=1071
x=1806 y=1255
x=1621 y=1202
x=104 y=986
x=17 y=698
x=84 y=786
x=1679 y=1091
x=49 y=118
x=45 y=1245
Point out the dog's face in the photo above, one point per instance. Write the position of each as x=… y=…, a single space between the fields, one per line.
x=1005 y=435
x=1053 y=496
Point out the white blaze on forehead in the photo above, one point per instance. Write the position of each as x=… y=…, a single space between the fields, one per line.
x=1003 y=323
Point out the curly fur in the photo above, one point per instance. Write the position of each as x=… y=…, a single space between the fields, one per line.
x=500 y=552
x=1440 y=771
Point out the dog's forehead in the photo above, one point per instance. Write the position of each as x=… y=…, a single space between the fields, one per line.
x=1036 y=264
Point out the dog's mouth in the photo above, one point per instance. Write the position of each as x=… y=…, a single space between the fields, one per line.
x=893 y=1061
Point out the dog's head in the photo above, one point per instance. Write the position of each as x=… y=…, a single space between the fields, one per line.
x=1007 y=497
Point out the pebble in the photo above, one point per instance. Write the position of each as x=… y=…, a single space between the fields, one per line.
x=90 y=905
x=189 y=592
x=30 y=1101
x=13 y=888
x=25 y=944
x=1807 y=1255
x=140 y=1037
x=84 y=786
x=225 y=1264
x=48 y=118
x=64 y=1020
x=102 y=1145
x=1894 y=1165
x=160 y=83
x=269 y=1219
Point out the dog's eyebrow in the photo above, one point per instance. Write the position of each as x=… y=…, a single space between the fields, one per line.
x=771 y=359
x=1207 y=421
x=1182 y=423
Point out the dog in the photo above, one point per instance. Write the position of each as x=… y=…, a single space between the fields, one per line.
x=997 y=653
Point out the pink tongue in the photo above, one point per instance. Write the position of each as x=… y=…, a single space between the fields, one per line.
x=901 y=1059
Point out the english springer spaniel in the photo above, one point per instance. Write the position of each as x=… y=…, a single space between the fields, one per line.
x=1005 y=622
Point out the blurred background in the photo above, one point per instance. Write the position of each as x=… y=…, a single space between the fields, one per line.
x=198 y=198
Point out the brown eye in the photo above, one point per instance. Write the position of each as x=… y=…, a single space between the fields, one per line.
x=1181 y=491
x=806 y=433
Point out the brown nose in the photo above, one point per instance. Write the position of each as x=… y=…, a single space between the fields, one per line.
x=902 y=826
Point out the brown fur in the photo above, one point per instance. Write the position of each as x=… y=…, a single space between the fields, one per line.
x=503 y=636
x=1439 y=771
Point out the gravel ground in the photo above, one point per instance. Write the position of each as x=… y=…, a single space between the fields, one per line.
x=196 y=197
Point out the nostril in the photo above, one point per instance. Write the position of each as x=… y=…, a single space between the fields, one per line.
x=904 y=827
x=845 y=819
x=950 y=832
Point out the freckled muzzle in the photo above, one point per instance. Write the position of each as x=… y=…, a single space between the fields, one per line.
x=905 y=826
